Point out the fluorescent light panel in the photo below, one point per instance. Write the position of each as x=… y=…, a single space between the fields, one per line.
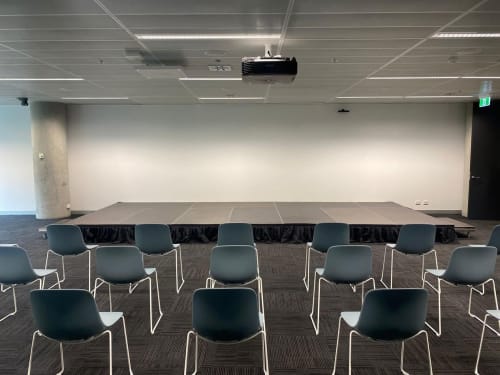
x=95 y=98
x=41 y=79
x=478 y=77
x=235 y=98
x=210 y=79
x=205 y=36
x=466 y=35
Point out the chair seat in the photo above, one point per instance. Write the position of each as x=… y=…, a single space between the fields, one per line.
x=110 y=318
x=44 y=272
x=261 y=320
x=149 y=271
x=320 y=271
x=436 y=272
x=494 y=313
x=351 y=317
x=91 y=247
x=391 y=245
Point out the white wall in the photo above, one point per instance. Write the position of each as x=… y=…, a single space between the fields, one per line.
x=16 y=165
x=255 y=152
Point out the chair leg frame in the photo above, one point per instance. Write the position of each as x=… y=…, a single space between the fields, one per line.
x=476 y=369
x=392 y=265
x=64 y=269
x=307 y=268
x=61 y=351
x=311 y=315
x=41 y=283
x=178 y=276
x=438 y=331
x=152 y=327
x=401 y=367
x=265 y=356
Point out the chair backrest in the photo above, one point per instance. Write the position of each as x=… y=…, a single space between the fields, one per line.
x=393 y=314
x=66 y=314
x=495 y=238
x=15 y=266
x=235 y=234
x=65 y=239
x=471 y=265
x=233 y=264
x=153 y=238
x=349 y=264
x=416 y=238
x=119 y=264
x=226 y=314
x=327 y=235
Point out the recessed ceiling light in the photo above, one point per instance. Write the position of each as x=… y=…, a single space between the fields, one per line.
x=412 y=77
x=210 y=79
x=466 y=35
x=41 y=79
x=235 y=98
x=95 y=98
x=205 y=36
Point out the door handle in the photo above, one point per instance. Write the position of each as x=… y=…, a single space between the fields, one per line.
x=475 y=177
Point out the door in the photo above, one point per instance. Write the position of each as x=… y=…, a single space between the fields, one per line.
x=484 y=184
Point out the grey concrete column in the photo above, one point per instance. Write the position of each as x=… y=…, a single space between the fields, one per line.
x=50 y=160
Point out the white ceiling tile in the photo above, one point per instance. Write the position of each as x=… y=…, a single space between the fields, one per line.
x=195 y=6
x=349 y=44
x=7 y=36
x=370 y=20
x=370 y=6
x=430 y=69
x=62 y=21
x=242 y=22
x=44 y=46
x=343 y=52
x=479 y=19
x=28 y=7
x=368 y=33
x=30 y=71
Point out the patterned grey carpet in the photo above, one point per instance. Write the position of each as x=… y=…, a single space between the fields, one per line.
x=293 y=346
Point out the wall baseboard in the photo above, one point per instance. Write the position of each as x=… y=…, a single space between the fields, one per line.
x=442 y=212
x=17 y=213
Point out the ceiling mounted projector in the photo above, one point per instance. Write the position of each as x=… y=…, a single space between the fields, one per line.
x=272 y=69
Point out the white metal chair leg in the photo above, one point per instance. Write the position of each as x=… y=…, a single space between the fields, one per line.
x=31 y=351
x=383 y=269
x=90 y=268
x=62 y=359
x=311 y=315
x=260 y=290
x=428 y=352
x=126 y=346
x=307 y=268
x=265 y=356
x=177 y=286
x=337 y=347
x=482 y=292
x=153 y=327
x=401 y=367
x=15 y=305
x=476 y=369
x=195 y=354
x=438 y=291
x=110 y=352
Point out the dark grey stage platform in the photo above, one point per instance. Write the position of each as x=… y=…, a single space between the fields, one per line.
x=272 y=221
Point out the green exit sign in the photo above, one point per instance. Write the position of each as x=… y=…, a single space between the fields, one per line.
x=484 y=102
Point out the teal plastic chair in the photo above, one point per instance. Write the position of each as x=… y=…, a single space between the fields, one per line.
x=494 y=239
x=156 y=240
x=471 y=266
x=123 y=265
x=325 y=235
x=388 y=315
x=70 y=316
x=413 y=239
x=344 y=264
x=16 y=270
x=495 y=314
x=235 y=234
x=66 y=240
x=226 y=316
x=235 y=265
